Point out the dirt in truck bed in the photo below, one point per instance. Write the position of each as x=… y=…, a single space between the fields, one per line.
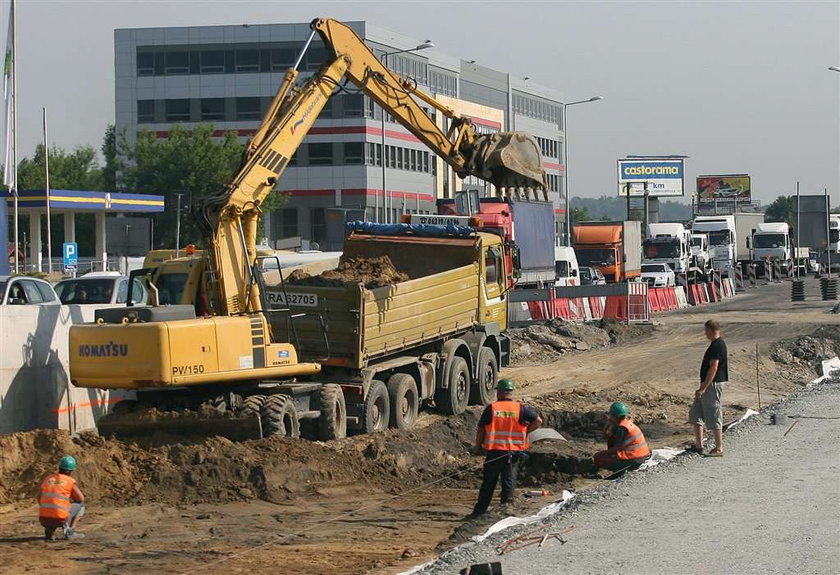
x=380 y=504
x=372 y=272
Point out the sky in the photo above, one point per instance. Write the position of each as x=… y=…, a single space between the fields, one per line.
x=739 y=87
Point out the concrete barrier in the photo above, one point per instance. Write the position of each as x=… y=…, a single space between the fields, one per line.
x=35 y=389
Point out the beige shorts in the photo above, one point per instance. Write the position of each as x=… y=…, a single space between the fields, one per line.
x=707 y=410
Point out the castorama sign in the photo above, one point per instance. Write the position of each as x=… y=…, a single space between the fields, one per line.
x=661 y=176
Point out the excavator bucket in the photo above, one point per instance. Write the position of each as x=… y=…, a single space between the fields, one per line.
x=507 y=160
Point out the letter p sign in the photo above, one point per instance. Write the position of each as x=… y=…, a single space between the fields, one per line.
x=70 y=255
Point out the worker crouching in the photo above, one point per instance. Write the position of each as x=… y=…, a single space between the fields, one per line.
x=503 y=433
x=627 y=447
x=61 y=503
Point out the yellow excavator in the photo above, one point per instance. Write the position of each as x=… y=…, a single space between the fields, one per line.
x=206 y=338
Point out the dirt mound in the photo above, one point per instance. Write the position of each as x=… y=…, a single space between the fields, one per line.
x=544 y=342
x=809 y=350
x=216 y=470
x=372 y=272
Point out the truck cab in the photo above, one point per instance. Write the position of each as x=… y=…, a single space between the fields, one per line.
x=722 y=239
x=700 y=251
x=772 y=241
x=668 y=243
x=566 y=266
x=612 y=247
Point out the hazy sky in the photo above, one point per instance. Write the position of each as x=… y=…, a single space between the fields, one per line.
x=738 y=87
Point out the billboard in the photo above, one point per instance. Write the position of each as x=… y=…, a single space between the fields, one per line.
x=663 y=177
x=731 y=188
x=812 y=214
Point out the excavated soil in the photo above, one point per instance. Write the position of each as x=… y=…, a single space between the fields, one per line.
x=545 y=342
x=372 y=272
x=808 y=350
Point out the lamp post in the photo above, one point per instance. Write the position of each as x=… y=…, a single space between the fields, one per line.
x=834 y=68
x=568 y=233
x=384 y=59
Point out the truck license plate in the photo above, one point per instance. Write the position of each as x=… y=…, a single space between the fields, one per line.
x=278 y=299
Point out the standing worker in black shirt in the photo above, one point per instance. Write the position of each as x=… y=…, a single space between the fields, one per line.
x=503 y=432
x=714 y=373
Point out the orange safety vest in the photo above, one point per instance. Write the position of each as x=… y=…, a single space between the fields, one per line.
x=504 y=432
x=635 y=445
x=55 y=498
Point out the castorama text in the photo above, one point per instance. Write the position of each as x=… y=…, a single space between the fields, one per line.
x=663 y=177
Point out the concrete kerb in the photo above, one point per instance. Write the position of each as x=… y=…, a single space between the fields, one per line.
x=472 y=552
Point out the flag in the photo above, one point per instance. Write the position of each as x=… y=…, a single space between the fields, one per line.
x=10 y=157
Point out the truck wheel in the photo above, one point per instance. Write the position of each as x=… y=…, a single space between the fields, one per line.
x=376 y=412
x=332 y=423
x=252 y=405
x=279 y=417
x=405 y=403
x=483 y=388
x=453 y=400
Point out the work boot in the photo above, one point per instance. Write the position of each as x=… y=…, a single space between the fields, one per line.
x=49 y=534
x=70 y=533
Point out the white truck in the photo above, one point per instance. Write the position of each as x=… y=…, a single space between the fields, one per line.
x=729 y=237
x=772 y=240
x=700 y=257
x=566 y=266
x=668 y=243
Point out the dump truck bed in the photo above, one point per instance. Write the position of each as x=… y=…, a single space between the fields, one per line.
x=361 y=324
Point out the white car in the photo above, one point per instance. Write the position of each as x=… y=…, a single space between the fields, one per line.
x=24 y=290
x=99 y=288
x=658 y=275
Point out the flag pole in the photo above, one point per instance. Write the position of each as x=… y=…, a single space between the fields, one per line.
x=13 y=155
x=47 y=193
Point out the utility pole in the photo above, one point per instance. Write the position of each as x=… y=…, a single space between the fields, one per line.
x=47 y=193
x=178 y=228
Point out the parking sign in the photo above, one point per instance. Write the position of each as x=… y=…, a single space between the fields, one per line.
x=70 y=255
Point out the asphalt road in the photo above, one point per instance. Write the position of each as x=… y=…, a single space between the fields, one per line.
x=771 y=505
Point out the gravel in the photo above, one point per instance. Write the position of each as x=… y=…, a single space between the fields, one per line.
x=769 y=506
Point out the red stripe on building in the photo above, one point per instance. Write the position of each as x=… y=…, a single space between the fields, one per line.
x=483 y=122
x=319 y=132
x=559 y=211
x=362 y=192
x=554 y=166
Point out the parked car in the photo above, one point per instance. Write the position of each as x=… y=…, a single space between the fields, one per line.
x=590 y=276
x=99 y=288
x=658 y=275
x=23 y=290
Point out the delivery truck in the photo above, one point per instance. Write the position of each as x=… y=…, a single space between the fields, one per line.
x=615 y=248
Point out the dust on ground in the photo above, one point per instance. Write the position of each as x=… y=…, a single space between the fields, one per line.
x=372 y=272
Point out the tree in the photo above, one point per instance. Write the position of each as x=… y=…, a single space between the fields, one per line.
x=189 y=162
x=781 y=210
x=579 y=215
x=76 y=170
x=109 y=152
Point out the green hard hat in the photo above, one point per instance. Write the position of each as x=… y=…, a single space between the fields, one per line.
x=618 y=409
x=505 y=385
x=67 y=463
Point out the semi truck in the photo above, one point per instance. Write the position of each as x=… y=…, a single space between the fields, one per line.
x=668 y=243
x=772 y=240
x=700 y=258
x=729 y=237
x=221 y=345
x=527 y=225
x=614 y=248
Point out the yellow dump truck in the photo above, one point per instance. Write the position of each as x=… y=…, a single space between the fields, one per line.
x=439 y=335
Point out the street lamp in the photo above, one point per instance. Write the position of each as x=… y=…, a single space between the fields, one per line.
x=834 y=68
x=568 y=233
x=384 y=59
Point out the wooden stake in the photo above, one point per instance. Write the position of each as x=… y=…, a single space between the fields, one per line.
x=757 y=383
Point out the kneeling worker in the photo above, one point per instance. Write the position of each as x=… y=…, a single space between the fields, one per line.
x=61 y=502
x=626 y=444
x=503 y=432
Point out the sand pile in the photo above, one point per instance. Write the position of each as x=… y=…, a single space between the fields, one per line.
x=372 y=272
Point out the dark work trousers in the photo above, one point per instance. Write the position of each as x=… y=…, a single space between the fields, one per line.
x=497 y=463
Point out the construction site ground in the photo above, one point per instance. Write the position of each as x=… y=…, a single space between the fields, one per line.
x=382 y=504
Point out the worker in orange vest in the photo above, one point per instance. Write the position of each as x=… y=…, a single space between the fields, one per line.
x=503 y=433
x=626 y=444
x=61 y=502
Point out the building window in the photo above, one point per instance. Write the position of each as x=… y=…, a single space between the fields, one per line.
x=319 y=224
x=391 y=156
x=373 y=154
x=354 y=152
x=353 y=105
x=316 y=56
x=212 y=62
x=177 y=63
x=247 y=61
x=286 y=221
x=178 y=110
x=320 y=154
x=145 y=64
x=413 y=157
x=145 y=111
x=248 y=109
x=212 y=109
x=282 y=59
